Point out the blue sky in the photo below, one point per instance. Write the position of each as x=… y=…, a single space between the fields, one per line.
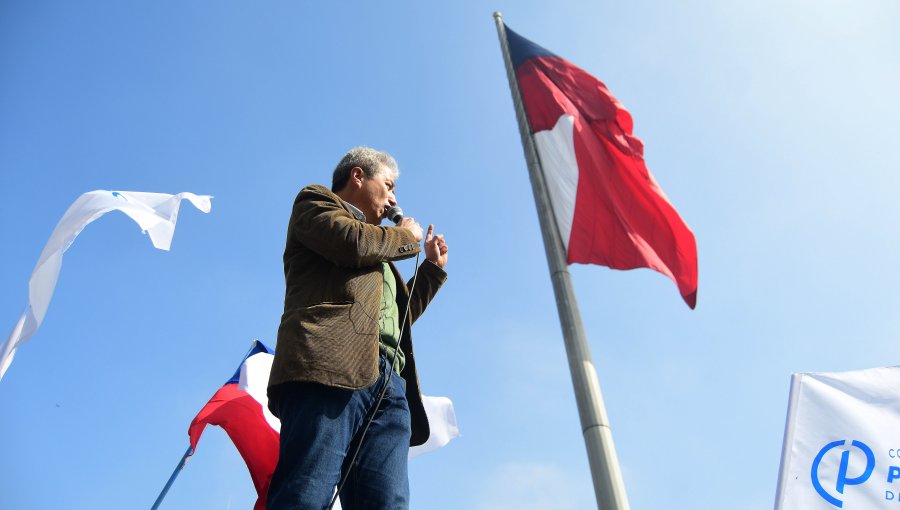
x=772 y=127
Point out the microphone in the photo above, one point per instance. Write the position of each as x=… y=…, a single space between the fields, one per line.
x=395 y=214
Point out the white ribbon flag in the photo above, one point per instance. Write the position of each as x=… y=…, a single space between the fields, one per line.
x=842 y=442
x=156 y=213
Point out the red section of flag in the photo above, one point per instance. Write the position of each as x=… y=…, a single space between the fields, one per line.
x=622 y=219
x=242 y=418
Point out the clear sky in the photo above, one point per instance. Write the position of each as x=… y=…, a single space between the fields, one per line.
x=771 y=125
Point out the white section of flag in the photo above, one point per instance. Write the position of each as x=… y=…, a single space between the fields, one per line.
x=255 y=381
x=156 y=213
x=841 y=443
x=556 y=149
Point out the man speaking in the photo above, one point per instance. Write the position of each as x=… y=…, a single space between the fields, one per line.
x=344 y=308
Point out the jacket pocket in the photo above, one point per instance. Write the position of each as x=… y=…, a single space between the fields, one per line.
x=335 y=334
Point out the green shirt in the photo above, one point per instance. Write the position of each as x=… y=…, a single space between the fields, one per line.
x=389 y=320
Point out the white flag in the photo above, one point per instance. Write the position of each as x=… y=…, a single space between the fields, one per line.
x=842 y=442
x=441 y=421
x=156 y=213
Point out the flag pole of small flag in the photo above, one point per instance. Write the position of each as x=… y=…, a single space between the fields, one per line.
x=597 y=203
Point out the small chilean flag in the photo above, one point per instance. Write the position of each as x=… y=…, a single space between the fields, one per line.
x=608 y=208
x=240 y=407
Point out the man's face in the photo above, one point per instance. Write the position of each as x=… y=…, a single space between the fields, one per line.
x=376 y=196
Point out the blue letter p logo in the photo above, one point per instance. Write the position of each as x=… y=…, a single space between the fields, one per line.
x=842 y=480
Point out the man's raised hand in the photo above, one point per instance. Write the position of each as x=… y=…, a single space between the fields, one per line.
x=435 y=248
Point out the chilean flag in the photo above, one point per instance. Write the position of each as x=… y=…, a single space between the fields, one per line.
x=608 y=208
x=240 y=408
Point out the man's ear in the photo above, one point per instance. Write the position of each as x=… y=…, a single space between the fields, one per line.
x=357 y=174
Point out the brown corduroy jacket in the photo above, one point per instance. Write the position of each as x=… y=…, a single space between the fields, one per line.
x=329 y=331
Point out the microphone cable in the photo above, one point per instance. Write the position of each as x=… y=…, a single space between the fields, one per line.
x=377 y=403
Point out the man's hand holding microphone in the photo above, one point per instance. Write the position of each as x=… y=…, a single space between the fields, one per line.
x=435 y=246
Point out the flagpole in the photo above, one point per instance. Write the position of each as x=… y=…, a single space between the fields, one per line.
x=172 y=478
x=609 y=488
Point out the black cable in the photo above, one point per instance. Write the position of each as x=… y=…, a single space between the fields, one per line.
x=387 y=382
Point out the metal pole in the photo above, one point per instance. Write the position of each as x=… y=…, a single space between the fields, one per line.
x=607 y=477
x=172 y=478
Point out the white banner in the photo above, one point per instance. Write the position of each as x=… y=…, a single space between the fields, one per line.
x=842 y=442
x=156 y=213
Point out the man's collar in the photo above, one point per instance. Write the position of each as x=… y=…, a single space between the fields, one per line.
x=356 y=212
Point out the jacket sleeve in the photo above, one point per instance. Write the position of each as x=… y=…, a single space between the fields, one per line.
x=429 y=279
x=323 y=226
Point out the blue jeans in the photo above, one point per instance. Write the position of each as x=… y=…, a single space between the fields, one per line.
x=320 y=428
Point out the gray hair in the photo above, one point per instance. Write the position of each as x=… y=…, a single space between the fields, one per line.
x=372 y=162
